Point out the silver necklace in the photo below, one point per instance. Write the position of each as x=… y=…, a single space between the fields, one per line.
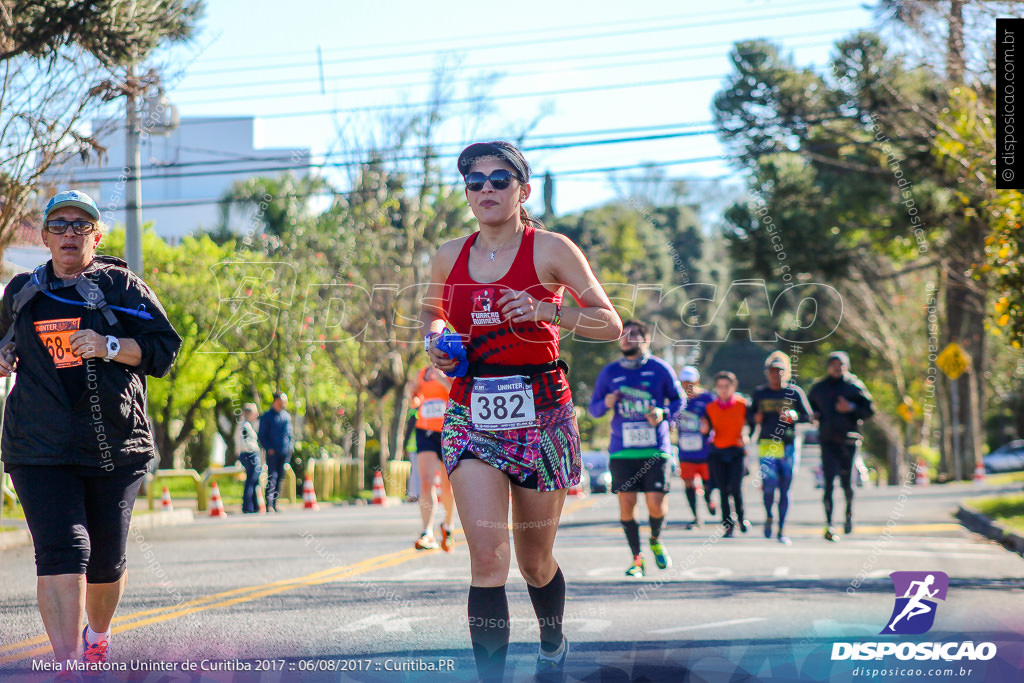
x=499 y=248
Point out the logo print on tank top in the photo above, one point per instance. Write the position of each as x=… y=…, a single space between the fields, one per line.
x=483 y=301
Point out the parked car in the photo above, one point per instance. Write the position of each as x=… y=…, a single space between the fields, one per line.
x=595 y=467
x=1007 y=458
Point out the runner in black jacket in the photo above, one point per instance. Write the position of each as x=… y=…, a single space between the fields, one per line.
x=840 y=402
x=76 y=437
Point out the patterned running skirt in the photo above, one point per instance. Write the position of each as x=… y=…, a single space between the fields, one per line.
x=551 y=450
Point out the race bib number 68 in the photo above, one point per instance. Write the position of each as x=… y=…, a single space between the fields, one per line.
x=56 y=337
x=500 y=403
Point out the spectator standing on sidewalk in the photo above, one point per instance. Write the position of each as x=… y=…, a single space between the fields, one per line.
x=275 y=435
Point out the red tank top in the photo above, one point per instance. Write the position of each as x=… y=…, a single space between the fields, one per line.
x=470 y=309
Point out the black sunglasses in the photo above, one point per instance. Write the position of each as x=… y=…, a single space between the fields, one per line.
x=500 y=179
x=58 y=227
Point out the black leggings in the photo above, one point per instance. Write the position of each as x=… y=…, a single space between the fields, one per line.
x=78 y=517
x=727 y=471
x=837 y=460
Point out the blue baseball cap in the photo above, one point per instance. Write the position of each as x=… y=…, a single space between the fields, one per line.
x=689 y=374
x=75 y=198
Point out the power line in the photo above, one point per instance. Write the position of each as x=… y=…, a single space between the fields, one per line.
x=443 y=42
x=471 y=100
x=519 y=62
x=348 y=163
x=501 y=45
x=382 y=154
x=182 y=203
x=421 y=84
x=237 y=158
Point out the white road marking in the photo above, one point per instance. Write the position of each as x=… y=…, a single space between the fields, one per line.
x=713 y=624
x=588 y=625
x=705 y=573
x=391 y=622
x=831 y=628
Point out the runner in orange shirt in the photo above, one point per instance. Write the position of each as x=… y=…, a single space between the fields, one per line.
x=726 y=419
x=430 y=398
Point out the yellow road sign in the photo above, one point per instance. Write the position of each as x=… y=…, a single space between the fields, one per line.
x=953 y=360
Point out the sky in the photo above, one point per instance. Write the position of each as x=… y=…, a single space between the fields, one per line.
x=327 y=75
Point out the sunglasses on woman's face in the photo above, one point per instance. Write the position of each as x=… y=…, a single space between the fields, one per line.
x=500 y=179
x=58 y=227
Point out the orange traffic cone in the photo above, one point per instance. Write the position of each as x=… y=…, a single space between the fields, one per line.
x=922 y=474
x=437 y=484
x=979 y=474
x=576 y=490
x=309 y=494
x=379 y=496
x=165 y=501
x=216 y=504
x=261 y=498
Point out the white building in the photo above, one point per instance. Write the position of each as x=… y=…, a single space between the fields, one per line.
x=184 y=172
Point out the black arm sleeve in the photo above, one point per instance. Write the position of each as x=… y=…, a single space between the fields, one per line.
x=752 y=409
x=7 y=305
x=863 y=402
x=802 y=406
x=156 y=338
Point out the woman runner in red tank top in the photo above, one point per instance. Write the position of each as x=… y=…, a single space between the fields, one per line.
x=511 y=420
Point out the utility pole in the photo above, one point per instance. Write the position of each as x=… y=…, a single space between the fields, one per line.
x=133 y=162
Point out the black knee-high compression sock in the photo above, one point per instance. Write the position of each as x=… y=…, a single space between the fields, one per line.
x=691 y=498
x=489 y=630
x=549 y=605
x=656 y=523
x=632 y=530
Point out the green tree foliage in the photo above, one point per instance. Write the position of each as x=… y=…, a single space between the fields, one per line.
x=61 y=62
x=845 y=191
x=642 y=255
x=113 y=32
x=181 y=404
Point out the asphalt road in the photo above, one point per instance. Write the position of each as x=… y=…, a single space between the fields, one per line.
x=340 y=594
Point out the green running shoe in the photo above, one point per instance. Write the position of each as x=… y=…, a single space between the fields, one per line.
x=661 y=556
x=638 y=567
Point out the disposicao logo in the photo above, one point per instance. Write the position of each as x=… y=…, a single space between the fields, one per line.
x=916 y=593
x=914 y=614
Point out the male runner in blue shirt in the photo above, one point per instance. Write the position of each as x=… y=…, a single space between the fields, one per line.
x=645 y=397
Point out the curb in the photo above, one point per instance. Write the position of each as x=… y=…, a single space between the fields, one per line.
x=13 y=539
x=982 y=524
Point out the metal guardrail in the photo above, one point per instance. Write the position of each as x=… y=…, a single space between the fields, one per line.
x=331 y=477
x=396 y=478
x=7 y=495
x=177 y=474
x=215 y=473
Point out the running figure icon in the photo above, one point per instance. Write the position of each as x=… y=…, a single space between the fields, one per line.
x=917 y=594
x=915 y=606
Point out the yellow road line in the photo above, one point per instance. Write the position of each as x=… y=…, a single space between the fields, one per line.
x=245 y=594
x=861 y=531
x=211 y=601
